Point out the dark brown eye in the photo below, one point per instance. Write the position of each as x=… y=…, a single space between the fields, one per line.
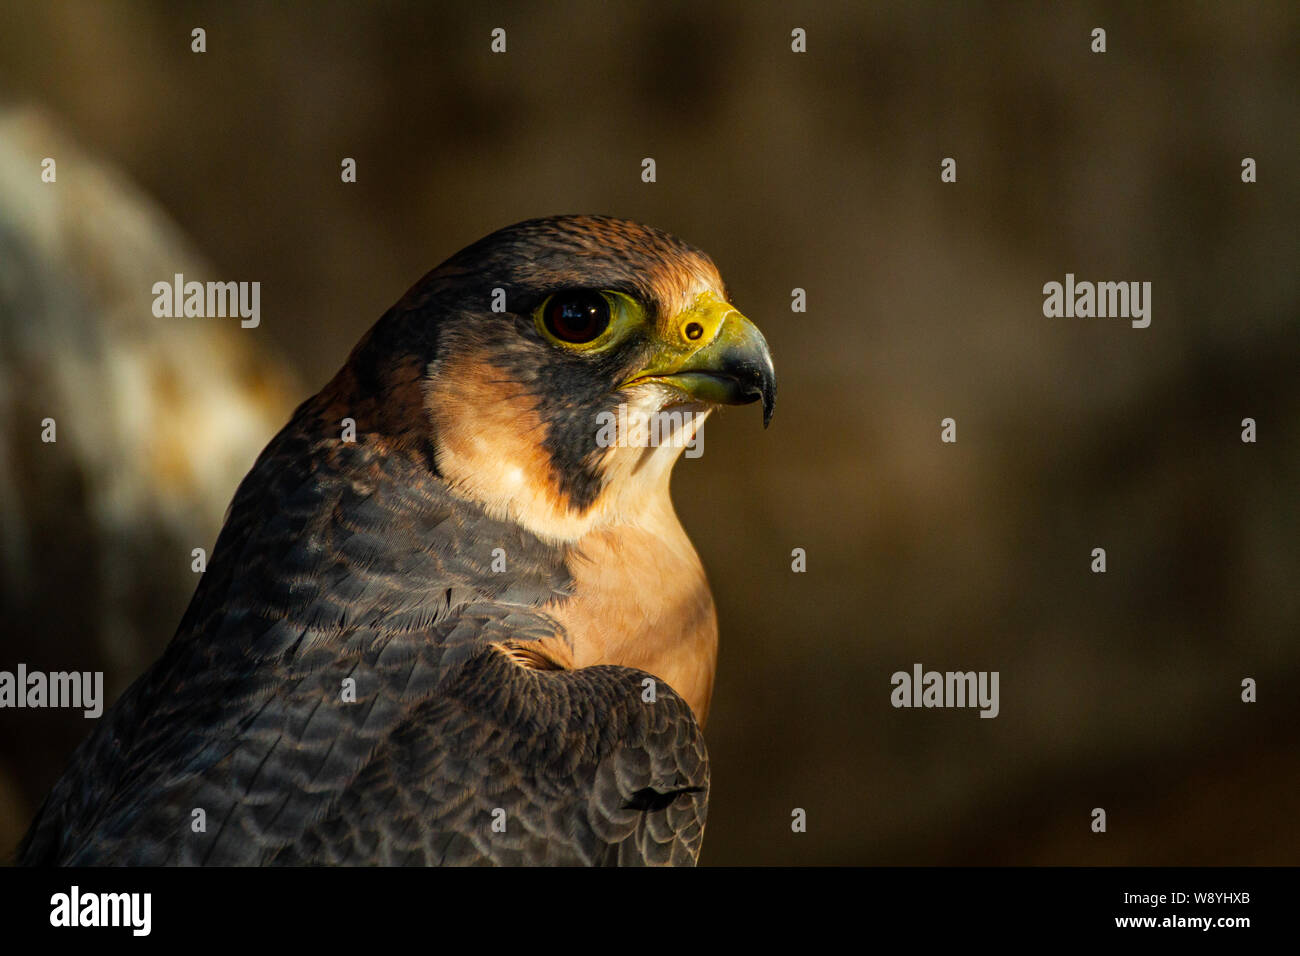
x=577 y=317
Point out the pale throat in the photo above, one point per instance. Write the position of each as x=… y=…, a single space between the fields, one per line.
x=640 y=597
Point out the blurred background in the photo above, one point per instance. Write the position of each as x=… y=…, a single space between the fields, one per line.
x=818 y=171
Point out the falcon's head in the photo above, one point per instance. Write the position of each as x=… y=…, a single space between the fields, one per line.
x=532 y=366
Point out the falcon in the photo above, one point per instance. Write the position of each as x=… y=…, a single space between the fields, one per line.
x=447 y=621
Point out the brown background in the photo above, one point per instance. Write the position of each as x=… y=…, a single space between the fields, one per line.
x=924 y=301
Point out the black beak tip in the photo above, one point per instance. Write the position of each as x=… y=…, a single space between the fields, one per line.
x=767 y=388
x=759 y=385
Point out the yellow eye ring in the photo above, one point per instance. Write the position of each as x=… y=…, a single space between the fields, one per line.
x=584 y=319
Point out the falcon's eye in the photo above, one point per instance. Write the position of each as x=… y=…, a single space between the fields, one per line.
x=575 y=318
x=588 y=320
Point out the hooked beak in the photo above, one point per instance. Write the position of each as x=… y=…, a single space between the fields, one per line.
x=734 y=367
